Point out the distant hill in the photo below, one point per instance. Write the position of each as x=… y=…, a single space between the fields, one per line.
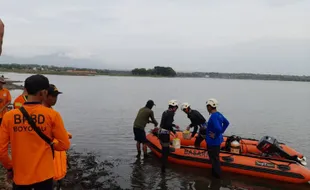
x=57 y=59
x=269 y=56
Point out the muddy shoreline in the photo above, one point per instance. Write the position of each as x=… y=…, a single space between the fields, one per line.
x=85 y=171
x=10 y=84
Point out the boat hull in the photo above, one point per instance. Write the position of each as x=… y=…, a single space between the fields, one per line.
x=243 y=164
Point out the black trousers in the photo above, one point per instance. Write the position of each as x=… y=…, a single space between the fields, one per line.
x=214 y=155
x=44 y=185
x=165 y=141
x=198 y=140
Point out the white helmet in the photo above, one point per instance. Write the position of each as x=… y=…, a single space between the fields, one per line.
x=185 y=105
x=173 y=103
x=212 y=102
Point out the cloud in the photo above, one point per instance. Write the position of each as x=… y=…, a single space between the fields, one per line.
x=130 y=33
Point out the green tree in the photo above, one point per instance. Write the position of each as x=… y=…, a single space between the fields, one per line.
x=158 y=71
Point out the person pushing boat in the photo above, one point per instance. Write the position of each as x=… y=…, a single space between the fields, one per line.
x=197 y=120
x=166 y=126
x=217 y=124
x=143 y=117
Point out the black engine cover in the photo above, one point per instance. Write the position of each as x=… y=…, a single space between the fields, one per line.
x=270 y=146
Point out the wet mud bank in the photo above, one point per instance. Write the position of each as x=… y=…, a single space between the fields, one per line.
x=85 y=171
x=10 y=84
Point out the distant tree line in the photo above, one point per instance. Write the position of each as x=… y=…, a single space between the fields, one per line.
x=31 y=66
x=249 y=76
x=156 y=71
x=258 y=76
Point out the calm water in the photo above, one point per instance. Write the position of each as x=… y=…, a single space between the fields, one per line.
x=99 y=112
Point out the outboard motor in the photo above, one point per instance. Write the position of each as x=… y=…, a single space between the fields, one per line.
x=270 y=146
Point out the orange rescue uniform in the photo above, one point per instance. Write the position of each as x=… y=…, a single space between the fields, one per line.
x=60 y=162
x=19 y=101
x=32 y=159
x=5 y=97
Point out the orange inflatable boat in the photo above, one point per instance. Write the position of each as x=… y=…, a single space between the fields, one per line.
x=256 y=158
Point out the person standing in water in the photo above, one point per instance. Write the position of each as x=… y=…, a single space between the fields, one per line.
x=166 y=126
x=197 y=120
x=143 y=117
x=5 y=98
x=217 y=125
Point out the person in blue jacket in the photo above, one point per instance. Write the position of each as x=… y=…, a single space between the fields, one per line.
x=217 y=124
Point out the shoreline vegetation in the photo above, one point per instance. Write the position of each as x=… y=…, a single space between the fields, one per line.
x=157 y=71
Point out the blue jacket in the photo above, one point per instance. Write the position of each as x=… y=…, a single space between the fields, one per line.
x=217 y=124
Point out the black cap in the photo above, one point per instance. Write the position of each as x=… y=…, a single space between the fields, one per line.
x=52 y=90
x=150 y=102
x=36 y=83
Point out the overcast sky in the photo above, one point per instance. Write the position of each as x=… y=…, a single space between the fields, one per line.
x=264 y=36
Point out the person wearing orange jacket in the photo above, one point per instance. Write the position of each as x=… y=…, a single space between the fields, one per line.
x=20 y=100
x=5 y=98
x=60 y=159
x=32 y=165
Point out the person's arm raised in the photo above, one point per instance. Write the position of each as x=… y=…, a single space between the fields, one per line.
x=153 y=119
x=60 y=134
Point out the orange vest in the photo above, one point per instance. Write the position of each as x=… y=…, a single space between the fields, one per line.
x=60 y=161
x=19 y=101
x=5 y=97
x=32 y=159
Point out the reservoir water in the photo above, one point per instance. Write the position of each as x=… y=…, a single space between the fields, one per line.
x=99 y=112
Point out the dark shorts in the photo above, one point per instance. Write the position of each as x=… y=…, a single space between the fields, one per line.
x=164 y=139
x=139 y=135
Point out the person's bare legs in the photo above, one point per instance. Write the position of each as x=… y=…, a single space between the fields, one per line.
x=138 y=148
x=144 y=149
